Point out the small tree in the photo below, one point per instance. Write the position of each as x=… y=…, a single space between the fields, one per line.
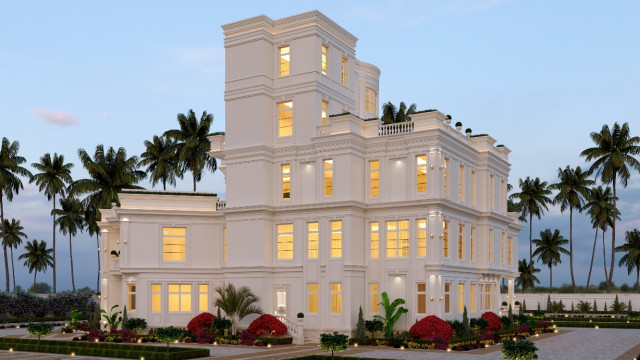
x=168 y=335
x=75 y=316
x=360 y=325
x=466 y=329
x=523 y=308
x=335 y=342
x=39 y=329
x=539 y=306
x=373 y=326
x=548 y=301
x=519 y=350
x=392 y=313
x=595 y=305
x=510 y=313
x=618 y=307
x=94 y=318
x=629 y=308
x=125 y=318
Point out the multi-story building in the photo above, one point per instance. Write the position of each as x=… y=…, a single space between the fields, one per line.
x=326 y=207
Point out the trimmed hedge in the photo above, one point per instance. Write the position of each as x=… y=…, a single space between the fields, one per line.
x=328 y=357
x=276 y=340
x=608 y=325
x=103 y=349
x=37 y=319
x=569 y=319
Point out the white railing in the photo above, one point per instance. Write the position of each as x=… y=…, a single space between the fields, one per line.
x=397 y=128
x=323 y=130
x=115 y=264
x=220 y=205
x=295 y=329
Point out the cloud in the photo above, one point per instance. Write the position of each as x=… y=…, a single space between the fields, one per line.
x=471 y=6
x=58 y=118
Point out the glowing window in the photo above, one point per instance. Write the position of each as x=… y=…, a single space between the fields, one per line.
x=422 y=237
x=375 y=240
x=285 y=241
x=460 y=298
x=179 y=298
x=446 y=172
x=487 y=297
x=312 y=240
x=447 y=298
x=422 y=298
x=461 y=182
x=336 y=298
x=174 y=244
x=285 y=119
x=156 y=293
x=421 y=163
x=203 y=297
x=472 y=297
x=285 y=60
x=445 y=238
x=472 y=194
x=397 y=238
x=336 y=239
x=323 y=113
x=371 y=104
x=344 y=71
x=375 y=298
x=472 y=241
x=324 y=60
x=374 y=178
x=509 y=257
x=286 y=181
x=225 y=244
x=328 y=177
x=460 y=242
x=312 y=296
x=131 y=297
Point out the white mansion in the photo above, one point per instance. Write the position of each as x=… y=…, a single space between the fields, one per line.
x=323 y=212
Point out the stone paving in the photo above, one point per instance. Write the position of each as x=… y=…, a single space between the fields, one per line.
x=574 y=344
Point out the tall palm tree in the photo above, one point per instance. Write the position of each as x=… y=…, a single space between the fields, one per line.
x=109 y=173
x=192 y=145
x=391 y=114
x=52 y=179
x=572 y=188
x=527 y=276
x=91 y=219
x=70 y=219
x=599 y=206
x=13 y=237
x=161 y=161
x=549 y=250
x=10 y=183
x=614 y=155
x=237 y=303
x=532 y=200
x=37 y=258
x=631 y=258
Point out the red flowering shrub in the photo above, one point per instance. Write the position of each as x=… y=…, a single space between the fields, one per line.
x=268 y=323
x=494 y=321
x=95 y=334
x=202 y=321
x=128 y=336
x=431 y=326
x=203 y=337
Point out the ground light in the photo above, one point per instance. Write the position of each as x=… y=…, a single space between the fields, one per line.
x=10 y=349
x=73 y=354
x=355 y=344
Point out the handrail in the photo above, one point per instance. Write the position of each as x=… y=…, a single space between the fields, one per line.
x=291 y=326
x=396 y=128
x=220 y=204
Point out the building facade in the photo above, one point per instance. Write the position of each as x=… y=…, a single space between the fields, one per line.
x=326 y=207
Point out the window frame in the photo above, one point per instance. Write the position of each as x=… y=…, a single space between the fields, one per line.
x=311 y=232
x=284 y=235
x=421 y=297
x=156 y=295
x=370 y=100
x=374 y=177
x=374 y=298
x=285 y=171
x=399 y=249
x=421 y=238
x=313 y=294
x=333 y=242
x=132 y=295
x=282 y=121
x=180 y=294
x=327 y=176
x=335 y=295
x=446 y=225
x=374 y=252
x=202 y=294
x=281 y=56
x=324 y=60
x=421 y=186
x=345 y=71
x=164 y=237
x=460 y=241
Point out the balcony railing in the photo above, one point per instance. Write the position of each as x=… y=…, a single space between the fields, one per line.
x=220 y=205
x=397 y=128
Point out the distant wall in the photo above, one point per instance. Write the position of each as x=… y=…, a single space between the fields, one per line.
x=533 y=299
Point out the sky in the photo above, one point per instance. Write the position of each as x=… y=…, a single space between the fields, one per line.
x=538 y=77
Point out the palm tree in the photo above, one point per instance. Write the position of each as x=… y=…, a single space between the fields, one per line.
x=549 y=249
x=614 y=155
x=527 y=276
x=533 y=199
x=53 y=177
x=192 y=145
x=37 y=258
x=161 y=161
x=70 y=219
x=237 y=303
x=14 y=239
x=572 y=188
x=391 y=114
x=10 y=183
x=109 y=173
x=91 y=218
x=631 y=250
x=599 y=206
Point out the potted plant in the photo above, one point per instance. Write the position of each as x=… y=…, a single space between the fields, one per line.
x=468 y=132
x=458 y=126
x=300 y=317
x=448 y=120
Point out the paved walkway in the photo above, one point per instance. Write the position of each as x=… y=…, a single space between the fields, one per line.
x=568 y=344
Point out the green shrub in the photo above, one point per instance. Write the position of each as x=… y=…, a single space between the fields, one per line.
x=39 y=329
x=136 y=324
x=335 y=342
x=519 y=350
x=169 y=334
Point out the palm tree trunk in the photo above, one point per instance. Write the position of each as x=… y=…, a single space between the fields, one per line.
x=613 y=236
x=73 y=282
x=533 y=285
x=54 y=243
x=593 y=253
x=604 y=259
x=98 y=243
x=164 y=184
x=13 y=270
x=637 y=278
x=4 y=243
x=550 y=278
x=33 y=289
x=194 y=182
x=573 y=281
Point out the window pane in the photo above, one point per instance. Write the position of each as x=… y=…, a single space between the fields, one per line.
x=174 y=302
x=328 y=177
x=285 y=119
x=285 y=241
x=286 y=181
x=185 y=302
x=174 y=244
x=422 y=237
x=336 y=239
x=285 y=60
x=421 y=164
x=204 y=302
x=375 y=240
x=155 y=302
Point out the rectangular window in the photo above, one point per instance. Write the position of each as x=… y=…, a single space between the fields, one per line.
x=225 y=244
x=312 y=295
x=397 y=238
x=460 y=242
x=461 y=183
x=447 y=298
x=285 y=241
x=323 y=113
x=375 y=240
x=286 y=181
x=131 y=297
x=503 y=195
x=473 y=188
x=344 y=71
x=285 y=119
x=375 y=298
x=472 y=241
x=472 y=297
x=460 y=298
x=509 y=257
x=336 y=298
x=422 y=237
x=422 y=298
x=324 y=59
x=445 y=238
x=156 y=294
x=285 y=60
x=374 y=178
x=203 y=298
x=174 y=244
x=179 y=298
x=491 y=193
x=421 y=164
x=370 y=101
x=487 y=297
x=328 y=177
x=312 y=240
x=446 y=178
x=502 y=248
x=490 y=241
x=336 y=239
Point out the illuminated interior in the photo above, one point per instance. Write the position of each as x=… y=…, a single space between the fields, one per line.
x=421 y=163
x=422 y=237
x=285 y=241
x=336 y=239
x=285 y=119
x=286 y=181
x=397 y=238
x=375 y=297
x=179 y=297
x=174 y=244
x=312 y=290
x=375 y=240
x=312 y=239
x=328 y=177
x=336 y=298
x=445 y=238
x=285 y=61
x=374 y=178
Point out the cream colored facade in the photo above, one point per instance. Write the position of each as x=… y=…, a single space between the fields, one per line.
x=323 y=213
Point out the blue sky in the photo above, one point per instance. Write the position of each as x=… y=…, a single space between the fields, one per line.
x=537 y=76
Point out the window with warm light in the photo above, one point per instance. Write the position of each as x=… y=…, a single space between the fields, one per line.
x=446 y=177
x=490 y=241
x=472 y=297
x=324 y=59
x=312 y=240
x=131 y=297
x=460 y=298
x=285 y=241
x=225 y=244
x=344 y=71
x=370 y=102
x=375 y=240
x=472 y=242
x=461 y=182
x=179 y=297
x=422 y=237
x=447 y=298
x=285 y=119
x=203 y=297
x=336 y=298
x=285 y=60
x=460 y=242
x=312 y=298
x=509 y=255
x=174 y=244
x=323 y=113
x=374 y=289
x=328 y=177
x=336 y=239
x=445 y=238
x=487 y=297
x=502 y=248
x=422 y=298
x=286 y=181
x=374 y=178
x=491 y=193
x=472 y=193
x=156 y=295
x=397 y=238
x=421 y=181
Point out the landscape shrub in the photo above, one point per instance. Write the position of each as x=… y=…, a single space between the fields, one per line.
x=431 y=326
x=95 y=334
x=128 y=336
x=519 y=350
x=493 y=320
x=269 y=324
x=276 y=341
x=201 y=321
x=247 y=337
x=39 y=329
x=136 y=324
x=203 y=337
